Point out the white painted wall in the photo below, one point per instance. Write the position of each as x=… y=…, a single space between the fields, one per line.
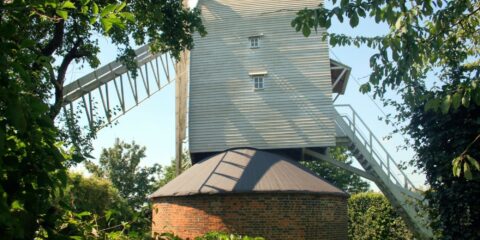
x=295 y=108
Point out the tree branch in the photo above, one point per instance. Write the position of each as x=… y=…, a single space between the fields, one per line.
x=60 y=79
x=470 y=145
x=57 y=39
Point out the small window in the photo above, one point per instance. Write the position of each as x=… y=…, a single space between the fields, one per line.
x=258 y=82
x=255 y=42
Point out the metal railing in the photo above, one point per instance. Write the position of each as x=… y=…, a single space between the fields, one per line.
x=359 y=131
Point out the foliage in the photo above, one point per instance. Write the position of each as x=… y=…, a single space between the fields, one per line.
x=120 y=164
x=33 y=34
x=341 y=178
x=207 y=236
x=86 y=225
x=431 y=59
x=454 y=204
x=371 y=216
x=225 y=236
x=91 y=194
x=93 y=209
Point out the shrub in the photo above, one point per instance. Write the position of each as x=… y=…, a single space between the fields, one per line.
x=371 y=216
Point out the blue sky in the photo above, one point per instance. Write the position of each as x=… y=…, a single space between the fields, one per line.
x=152 y=124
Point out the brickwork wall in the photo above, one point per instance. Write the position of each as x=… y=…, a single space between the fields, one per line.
x=273 y=216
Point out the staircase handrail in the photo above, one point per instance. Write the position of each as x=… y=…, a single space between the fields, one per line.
x=356 y=131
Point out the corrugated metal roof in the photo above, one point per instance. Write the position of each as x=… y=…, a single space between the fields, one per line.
x=246 y=171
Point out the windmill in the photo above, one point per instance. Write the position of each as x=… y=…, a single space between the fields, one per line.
x=254 y=82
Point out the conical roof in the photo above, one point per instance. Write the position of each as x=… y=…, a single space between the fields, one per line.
x=246 y=171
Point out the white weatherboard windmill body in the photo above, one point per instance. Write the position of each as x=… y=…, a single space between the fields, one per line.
x=254 y=82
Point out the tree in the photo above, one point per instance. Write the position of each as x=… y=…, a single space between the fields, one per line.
x=34 y=150
x=91 y=194
x=371 y=216
x=453 y=202
x=430 y=59
x=341 y=178
x=95 y=210
x=120 y=165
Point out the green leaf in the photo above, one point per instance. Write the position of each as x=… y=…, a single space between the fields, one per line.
x=431 y=105
x=339 y=14
x=67 y=4
x=456 y=166
x=95 y=8
x=365 y=88
x=466 y=171
x=16 y=205
x=294 y=22
x=446 y=104
x=399 y=22
x=121 y=6
x=129 y=16
x=456 y=100
x=83 y=214
x=306 y=30
x=354 y=20
x=333 y=41
x=93 y=20
x=108 y=214
x=106 y=24
x=361 y=12
x=62 y=13
x=108 y=10
x=116 y=21
x=52 y=4
x=378 y=17
x=473 y=162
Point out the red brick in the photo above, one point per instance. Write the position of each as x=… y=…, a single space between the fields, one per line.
x=270 y=215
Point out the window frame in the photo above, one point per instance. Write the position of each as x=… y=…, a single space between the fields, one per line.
x=254 y=41
x=258 y=82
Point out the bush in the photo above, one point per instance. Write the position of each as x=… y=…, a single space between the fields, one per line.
x=91 y=208
x=92 y=194
x=371 y=216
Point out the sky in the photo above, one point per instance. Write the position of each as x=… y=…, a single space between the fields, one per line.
x=152 y=124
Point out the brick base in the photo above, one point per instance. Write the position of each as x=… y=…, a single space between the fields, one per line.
x=270 y=215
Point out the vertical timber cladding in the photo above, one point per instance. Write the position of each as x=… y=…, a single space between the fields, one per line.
x=293 y=110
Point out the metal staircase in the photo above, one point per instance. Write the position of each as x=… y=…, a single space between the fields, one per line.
x=382 y=168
